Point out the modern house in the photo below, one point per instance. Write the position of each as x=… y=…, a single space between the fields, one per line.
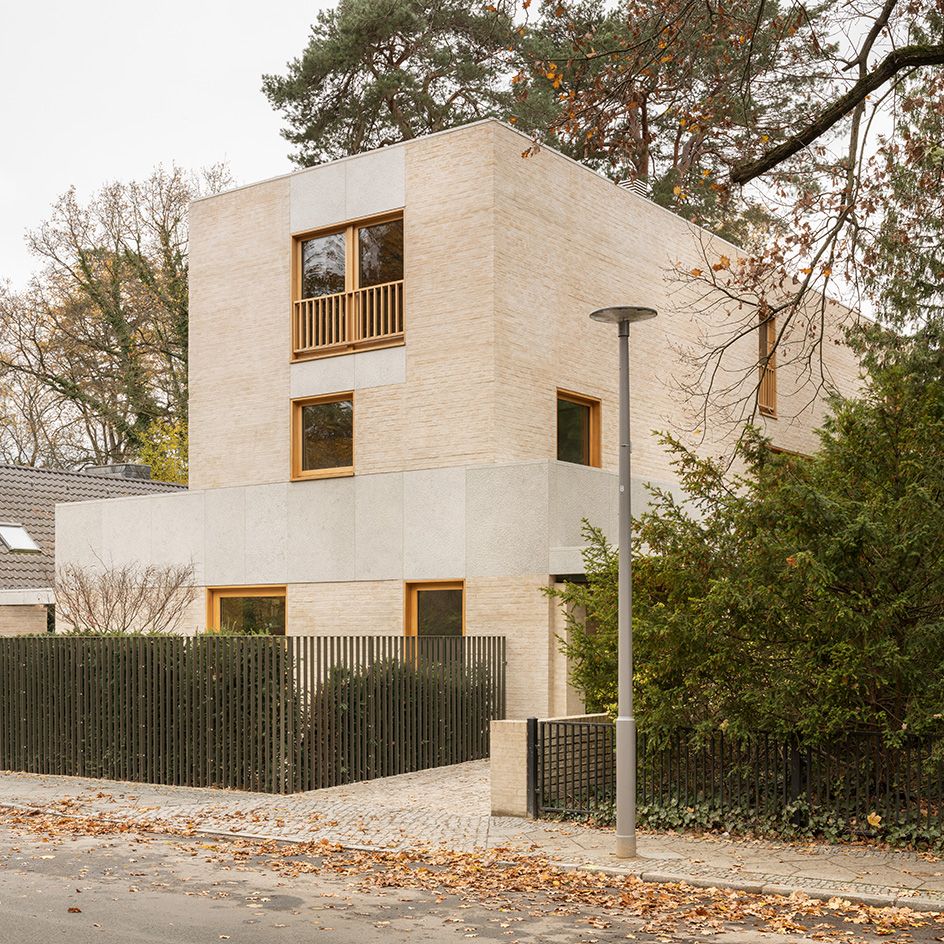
x=400 y=411
x=28 y=499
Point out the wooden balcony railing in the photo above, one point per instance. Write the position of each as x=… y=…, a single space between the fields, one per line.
x=348 y=321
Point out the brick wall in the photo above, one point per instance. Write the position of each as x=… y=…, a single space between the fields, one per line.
x=22 y=620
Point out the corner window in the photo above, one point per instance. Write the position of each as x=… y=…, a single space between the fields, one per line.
x=348 y=288
x=767 y=361
x=323 y=436
x=246 y=611
x=578 y=428
x=435 y=608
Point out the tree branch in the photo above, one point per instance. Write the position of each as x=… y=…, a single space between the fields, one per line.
x=908 y=57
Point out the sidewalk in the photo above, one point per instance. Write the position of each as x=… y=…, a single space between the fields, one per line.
x=448 y=808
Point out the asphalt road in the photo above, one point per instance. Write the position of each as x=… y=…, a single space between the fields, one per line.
x=123 y=890
x=170 y=892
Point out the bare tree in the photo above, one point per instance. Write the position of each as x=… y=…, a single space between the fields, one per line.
x=813 y=135
x=101 y=330
x=117 y=600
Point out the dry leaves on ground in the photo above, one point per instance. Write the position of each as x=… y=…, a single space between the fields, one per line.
x=503 y=879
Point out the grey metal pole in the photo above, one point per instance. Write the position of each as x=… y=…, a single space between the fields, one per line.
x=625 y=721
x=624 y=315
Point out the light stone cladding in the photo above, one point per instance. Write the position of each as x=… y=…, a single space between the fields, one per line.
x=455 y=468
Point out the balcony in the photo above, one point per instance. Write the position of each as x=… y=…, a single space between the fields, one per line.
x=348 y=321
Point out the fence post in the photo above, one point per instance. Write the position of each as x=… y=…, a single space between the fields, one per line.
x=794 y=771
x=532 y=768
x=797 y=786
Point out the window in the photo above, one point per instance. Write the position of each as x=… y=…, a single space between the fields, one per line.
x=250 y=611
x=578 y=428
x=349 y=288
x=323 y=266
x=435 y=608
x=15 y=537
x=767 y=360
x=323 y=436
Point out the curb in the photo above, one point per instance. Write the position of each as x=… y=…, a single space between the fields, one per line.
x=917 y=903
x=871 y=899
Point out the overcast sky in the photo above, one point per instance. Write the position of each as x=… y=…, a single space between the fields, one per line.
x=105 y=89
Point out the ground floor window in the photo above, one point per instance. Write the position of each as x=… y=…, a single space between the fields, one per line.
x=246 y=610
x=435 y=608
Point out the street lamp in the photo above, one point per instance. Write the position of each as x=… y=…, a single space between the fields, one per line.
x=624 y=316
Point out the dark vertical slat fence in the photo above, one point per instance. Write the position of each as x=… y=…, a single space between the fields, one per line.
x=759 y=776
x=272 y=714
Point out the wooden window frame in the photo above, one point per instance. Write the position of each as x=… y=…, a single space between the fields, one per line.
x=596 y=425
x=410 y=589
x=298 y=474
x=215 y=594
x=783 y=451
x=351 y=270
x=767 y=366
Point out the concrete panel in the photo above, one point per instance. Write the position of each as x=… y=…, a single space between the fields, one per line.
x=225 y=530
x=349 y=372
x=266 y=533
x=376 y=182
x=27 y=597
x=434 y=524
x=317 y=197
x=378 y=527
x=577 y=492
x=177 y=533
x=126 y=531
x=324 y=375
x=78 y=533
x=565 y=560
x=507 y=520
x=380 y=368
x=321 y=530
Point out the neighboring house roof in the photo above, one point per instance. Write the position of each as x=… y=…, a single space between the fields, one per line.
x=29 y=496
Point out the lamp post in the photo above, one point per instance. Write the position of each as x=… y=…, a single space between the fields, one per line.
x=624 y=316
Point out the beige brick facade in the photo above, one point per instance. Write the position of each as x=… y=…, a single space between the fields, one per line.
x=456 y=475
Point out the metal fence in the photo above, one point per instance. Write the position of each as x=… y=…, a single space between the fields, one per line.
x=759 y=777
x=272 y=714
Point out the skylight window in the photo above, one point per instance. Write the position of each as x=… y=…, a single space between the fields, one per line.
x=16 y=538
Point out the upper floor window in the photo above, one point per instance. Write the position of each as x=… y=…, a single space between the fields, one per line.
x=348 y=288
x=767 y=360
x=578 y=428
x=323 y=436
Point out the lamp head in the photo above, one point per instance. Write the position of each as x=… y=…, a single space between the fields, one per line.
x=617 y=314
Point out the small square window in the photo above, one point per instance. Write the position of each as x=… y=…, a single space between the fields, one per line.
x=323 y=436
x=578 y=428
x=16 y=538
x=436 y=608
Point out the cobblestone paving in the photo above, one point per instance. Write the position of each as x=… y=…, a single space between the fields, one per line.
x=449 y=808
